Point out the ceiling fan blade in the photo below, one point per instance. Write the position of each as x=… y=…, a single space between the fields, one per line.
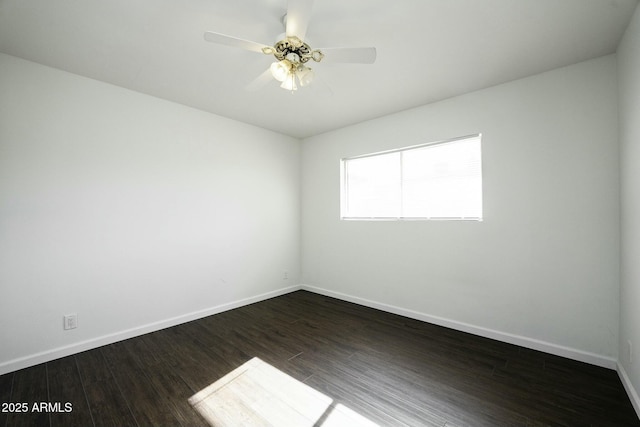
x=298 y=16
x=223 y=39
x=321 y=87
x=355 y=55
x=260 y=81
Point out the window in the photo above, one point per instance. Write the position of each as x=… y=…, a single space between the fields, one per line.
x=441 y=180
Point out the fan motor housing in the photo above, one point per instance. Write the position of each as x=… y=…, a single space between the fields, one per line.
x=294 y=50
x=292 y=45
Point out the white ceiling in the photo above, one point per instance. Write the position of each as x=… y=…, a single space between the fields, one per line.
x=428 y=50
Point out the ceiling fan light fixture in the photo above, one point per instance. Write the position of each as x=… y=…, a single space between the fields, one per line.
x=305 y=75
x=292 y=50
x=290 y=83
x=280 y=70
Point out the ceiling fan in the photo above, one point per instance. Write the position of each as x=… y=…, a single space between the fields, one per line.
x=292 y=53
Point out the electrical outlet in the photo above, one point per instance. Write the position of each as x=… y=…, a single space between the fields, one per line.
x=630 y=348
x=285 y=276
x=70 y=321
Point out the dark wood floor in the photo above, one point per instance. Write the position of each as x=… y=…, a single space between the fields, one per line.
x=390 y=369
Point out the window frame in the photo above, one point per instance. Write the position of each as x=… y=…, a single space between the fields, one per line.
x=344 y=183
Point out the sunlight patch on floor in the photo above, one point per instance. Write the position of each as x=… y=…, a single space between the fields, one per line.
x=258 y=394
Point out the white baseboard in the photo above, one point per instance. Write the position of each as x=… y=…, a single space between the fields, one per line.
x=46 y=356
x=631 y=391
x=582 y=356
x=522 y=341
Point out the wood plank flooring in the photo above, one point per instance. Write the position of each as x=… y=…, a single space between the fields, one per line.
x=392 y=370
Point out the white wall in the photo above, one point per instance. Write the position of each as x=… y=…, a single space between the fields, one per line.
x=137 y=213
x=629 y=110
x=542 y=269
x=133 y=212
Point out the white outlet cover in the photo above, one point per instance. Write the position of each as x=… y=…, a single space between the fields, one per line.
x=70 y=321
